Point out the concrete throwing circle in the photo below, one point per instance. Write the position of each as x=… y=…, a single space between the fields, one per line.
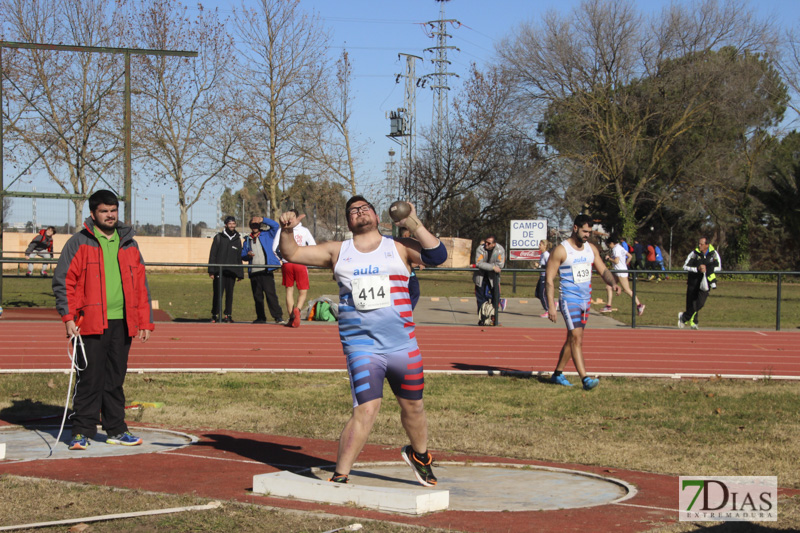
x=497 y=487
x=36 y=442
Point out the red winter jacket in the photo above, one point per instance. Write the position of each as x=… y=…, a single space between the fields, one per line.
x=79 y=282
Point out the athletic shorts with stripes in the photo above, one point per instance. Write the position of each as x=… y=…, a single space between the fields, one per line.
x=402 y=369
x=575 y=313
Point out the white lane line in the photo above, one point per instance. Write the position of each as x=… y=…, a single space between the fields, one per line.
x=648 y=507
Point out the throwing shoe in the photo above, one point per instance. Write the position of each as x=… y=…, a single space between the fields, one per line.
x=294 y=321
x=339 y=478
x=421 y=469
x=79 y=442
x=640 y=309
x=590 y=383
x=125 y=439
x=560 y=380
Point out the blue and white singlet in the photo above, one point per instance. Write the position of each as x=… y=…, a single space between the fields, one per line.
x=374 y=306
x=576 y=273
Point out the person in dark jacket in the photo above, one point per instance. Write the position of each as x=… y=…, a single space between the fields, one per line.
x=102 y=294
x=702 y=264
x=225 y=250
x=42 y=246
x=258 y=250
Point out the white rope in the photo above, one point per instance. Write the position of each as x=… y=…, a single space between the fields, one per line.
x=212 y=505
x=351 y=527
x=74 y=342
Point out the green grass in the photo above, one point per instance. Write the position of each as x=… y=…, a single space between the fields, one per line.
x=735 y=304
x=693 y=427
x=679 y=427
x=24 y=501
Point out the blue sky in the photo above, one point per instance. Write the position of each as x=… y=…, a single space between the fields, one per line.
x=374 y=32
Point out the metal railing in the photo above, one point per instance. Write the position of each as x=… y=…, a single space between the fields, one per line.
x=634 y=275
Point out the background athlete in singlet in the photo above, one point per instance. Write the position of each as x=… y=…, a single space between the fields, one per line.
x=572 y=261
x=375 y=325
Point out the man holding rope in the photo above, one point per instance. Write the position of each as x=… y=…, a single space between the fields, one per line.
x=100 y=283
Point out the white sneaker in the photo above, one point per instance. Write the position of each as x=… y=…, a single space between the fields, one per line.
x=680 y=322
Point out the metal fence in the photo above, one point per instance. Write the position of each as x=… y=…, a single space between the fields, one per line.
x=634 y=276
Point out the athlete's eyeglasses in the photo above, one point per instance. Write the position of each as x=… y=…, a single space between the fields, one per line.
x=360 y=209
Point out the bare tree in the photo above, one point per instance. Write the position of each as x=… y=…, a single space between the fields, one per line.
x=65 y=118
x=283 y=51
x=483 y=169
x=184 y=134
x=330 y=144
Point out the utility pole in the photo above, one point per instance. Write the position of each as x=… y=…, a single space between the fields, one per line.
x=439 y=79
x=403 y=125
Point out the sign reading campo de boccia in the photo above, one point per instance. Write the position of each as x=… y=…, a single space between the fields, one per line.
x=525 y=237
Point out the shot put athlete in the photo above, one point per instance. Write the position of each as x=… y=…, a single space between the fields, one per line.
x=376 y=325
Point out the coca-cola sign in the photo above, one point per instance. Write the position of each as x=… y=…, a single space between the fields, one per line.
x=524 y=255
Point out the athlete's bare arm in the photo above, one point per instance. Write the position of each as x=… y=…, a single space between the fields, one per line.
x=602 y=271
x=320 y=255
x=558 y=256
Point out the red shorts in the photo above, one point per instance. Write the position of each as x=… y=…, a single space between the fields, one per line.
x=295 y=273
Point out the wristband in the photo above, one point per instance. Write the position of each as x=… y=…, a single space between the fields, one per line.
x=434 y=256
x=412 y=223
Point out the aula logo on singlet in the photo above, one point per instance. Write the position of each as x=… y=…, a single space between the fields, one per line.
x=366 y=271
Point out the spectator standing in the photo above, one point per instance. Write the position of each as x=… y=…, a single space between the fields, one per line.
x=660 y=263
x=292 y=273
x=638 y=255
x=701 y=264
x=490 y=259
x=41 y=246
x=541 y=288
x=650 y=261
x=226 y=249
x=102 y=294
x=258 y=252
x=619 y=269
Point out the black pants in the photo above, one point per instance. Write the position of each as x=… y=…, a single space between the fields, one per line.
x=695 y=300
x=487 y=292
x=98 y=391
x=263 y=284
x=228 y=282
x=541 y=291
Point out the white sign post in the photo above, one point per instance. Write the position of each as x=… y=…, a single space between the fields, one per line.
x=525 y=238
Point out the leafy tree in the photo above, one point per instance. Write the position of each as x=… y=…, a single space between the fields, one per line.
x=781 y=198
x=615 y=95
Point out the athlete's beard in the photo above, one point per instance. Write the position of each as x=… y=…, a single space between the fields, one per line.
x=363 y=224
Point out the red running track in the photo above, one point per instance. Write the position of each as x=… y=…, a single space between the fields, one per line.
x=202 y=346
